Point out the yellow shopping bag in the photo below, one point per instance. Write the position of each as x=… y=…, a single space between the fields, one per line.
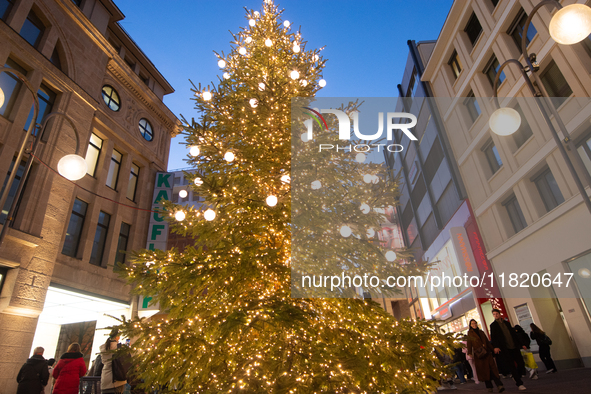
x=528 y=358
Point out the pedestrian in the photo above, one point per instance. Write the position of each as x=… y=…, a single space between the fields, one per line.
x=506 y=346
x=470 y=361
x=68 y=371
x=34 y=374
x=109 y=379
x=484 y=364
x=458 y=360
x=531 y=369
x=544 y=343
x=50 y=364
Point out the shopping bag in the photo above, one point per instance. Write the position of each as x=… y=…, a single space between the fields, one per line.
x=528 y=358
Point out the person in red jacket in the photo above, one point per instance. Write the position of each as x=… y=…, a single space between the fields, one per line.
x=69 y=370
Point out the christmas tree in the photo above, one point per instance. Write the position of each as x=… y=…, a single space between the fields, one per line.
x=230 y=322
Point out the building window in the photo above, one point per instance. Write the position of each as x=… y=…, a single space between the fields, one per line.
x=46 y=100
x=10 y=85
x=32 y=29
x=549 y=190
x=122 y=245
x=111 y=98
x=98 y=245
x=492 y=156
x=55 y=58
x=5 y=7
x=517 y=28
x=491 y=69
x=472 y=106
x=113 y=174
x=132 y=185
x=454 y=63
x=524 y=132
x=93 y=153
x=75 y=228
x=515 y=214
x=584 y=149
x=433 y=160
x=555 y=84
x=12 y=193
x=413 y=84
x=146 y=129
x=473 y=29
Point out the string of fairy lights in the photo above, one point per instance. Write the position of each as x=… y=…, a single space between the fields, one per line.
x=230 y=323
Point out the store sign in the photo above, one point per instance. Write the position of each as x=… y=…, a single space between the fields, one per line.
x=463 y=249
x=158 y=227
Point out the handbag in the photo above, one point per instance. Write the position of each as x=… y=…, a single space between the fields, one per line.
x=528 y=359
x=119 y=373
x=480 y=352
x=545 y=340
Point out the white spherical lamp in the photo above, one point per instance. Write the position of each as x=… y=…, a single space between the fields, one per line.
x=268 y=42
x=183 y=194
x=322 y=83
x=242 y=51
x=198 y=181
x=72 y=167
x=345 y=231
x=251 y=23
x=286 y=23
x=294 y=75
x=271 y=201
x=206 y=96
x=571 y=24
x=222 y=63
x=304 y=83
x=248 y=40
x=209 y=215
x=367 y=178
x=360 y=157
x=364 y=208
x=226 y=75
x=254 y=102
x=316 y=185
x=390 y=255
x=179 y=215
x=370 y=233
x=296 y=48
x=285 y=178
x=261 y=86
x=504 y=121
x=194 y=151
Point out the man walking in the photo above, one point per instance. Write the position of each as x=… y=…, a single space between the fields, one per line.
x=34 y=374
x=506 y=346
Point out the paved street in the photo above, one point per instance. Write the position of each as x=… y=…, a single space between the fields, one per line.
x=568 y=381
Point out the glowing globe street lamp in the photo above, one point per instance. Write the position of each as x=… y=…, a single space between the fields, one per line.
x=569 y=25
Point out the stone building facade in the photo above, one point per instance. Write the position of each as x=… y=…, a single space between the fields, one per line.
x=531 y=215
x=57 y=263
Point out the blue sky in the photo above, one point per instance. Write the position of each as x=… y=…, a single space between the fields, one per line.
x=365 y=42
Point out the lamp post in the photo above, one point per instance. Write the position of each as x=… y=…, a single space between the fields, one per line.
x=570 y=25
x=72 y=167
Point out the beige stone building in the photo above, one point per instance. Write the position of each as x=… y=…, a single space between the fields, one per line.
x=532 y=218
x=57 y=264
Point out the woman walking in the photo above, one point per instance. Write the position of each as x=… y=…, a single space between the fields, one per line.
x=544 y=343
x=109 y=384
x=486 y=369
x=68 y=371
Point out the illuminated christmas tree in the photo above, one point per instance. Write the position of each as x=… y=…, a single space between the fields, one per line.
x=231 y=323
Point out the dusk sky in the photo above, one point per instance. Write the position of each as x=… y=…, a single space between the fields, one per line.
x=365 y=42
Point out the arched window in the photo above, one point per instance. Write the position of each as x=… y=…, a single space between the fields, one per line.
x=146 y=129
x=111 y=98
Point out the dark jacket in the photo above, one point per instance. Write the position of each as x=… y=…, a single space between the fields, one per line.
x=522 y=336
x=33 y=375
x=538 y=338
x=497 y=338
x=68 y=372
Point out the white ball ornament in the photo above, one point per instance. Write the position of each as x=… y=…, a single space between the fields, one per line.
x=254 y=102
x=367 y=178
x=261 y=86
x=294 y=75
x=304 y=83
x=206 y=96
x=345 y=231
x=271 y=201
x=285 y=178
x=242 y=51
x=322 y=83
x=390 y=255
x=257 y=14
x=222 y=63
x=209 y=215
x=179 y=215
x=229 y=157
x=360 y=157
x=183 y=194
x=364 y=208
x=286 y=23
x=198 y=181
x=296 y=48
x=251 y=23
x=268 y=42
x=316 y=185
x=248 y=40
x=370 y=233
x=226 y=76
x=194 y=151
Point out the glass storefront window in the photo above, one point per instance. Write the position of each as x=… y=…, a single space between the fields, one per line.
x=581 y=268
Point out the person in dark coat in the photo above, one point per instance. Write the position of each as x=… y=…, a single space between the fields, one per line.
x=485 y=368
x=542 y=341
x=34 y=374
x=525 y=341
x=459 y=360
x=506 y=345
x=69 y=370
